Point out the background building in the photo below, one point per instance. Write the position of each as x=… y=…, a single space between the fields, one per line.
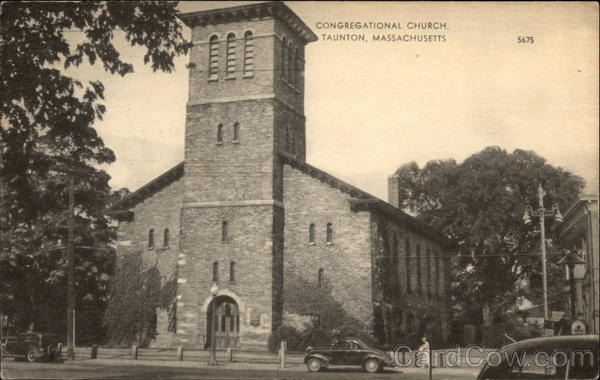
x=287 y=243
x=579 y=233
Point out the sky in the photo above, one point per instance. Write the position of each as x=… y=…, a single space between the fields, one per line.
x=372 y=106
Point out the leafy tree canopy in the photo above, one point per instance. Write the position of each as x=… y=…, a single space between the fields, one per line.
x=47 y=135
x=480 y=203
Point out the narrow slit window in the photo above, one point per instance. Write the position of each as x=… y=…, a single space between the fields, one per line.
x=288 y=142
x=231 y=56
x=248 y=54
x=436 y=277
x=224 y=232
x=429 y=268
x=329 y=230
x=297 y=69
x=213 y=61
x=311 y=233
x=220 y=133
x=292 y=138
x=321 y=277
x=284 y=58
x=151 y=239
x=419 y=282
x=407 y=264
x=236 y=132
x=290 y=61
x=215 y=271
x=232 y=272
x=166 y=239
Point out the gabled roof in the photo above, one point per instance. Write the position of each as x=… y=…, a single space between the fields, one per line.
x=148 y=189
x=365 y=201
x=361 y=200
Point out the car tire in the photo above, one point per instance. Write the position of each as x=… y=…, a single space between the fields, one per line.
x=372 y=365
x=31 y=355
x=51 y=352
x=314 y=365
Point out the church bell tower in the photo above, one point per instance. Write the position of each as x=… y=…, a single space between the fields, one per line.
x=245 y=107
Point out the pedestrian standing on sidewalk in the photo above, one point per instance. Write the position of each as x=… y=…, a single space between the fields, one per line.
x=423 y=354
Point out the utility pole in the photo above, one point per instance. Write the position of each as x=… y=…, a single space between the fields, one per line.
x=543 y=214
x=70 y=273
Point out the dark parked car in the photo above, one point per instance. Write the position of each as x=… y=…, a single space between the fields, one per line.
x=557 y=357
x=349 y=351
x=34 y=346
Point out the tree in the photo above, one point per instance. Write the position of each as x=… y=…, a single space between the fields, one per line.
x=480 y=203
x=48 y=135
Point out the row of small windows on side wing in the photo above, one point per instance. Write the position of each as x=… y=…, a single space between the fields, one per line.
x=166 y=238
x=230 y=56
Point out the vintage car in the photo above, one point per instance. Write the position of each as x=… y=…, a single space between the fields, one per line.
x=34 y=346
x=348 y=351
x=556 y=357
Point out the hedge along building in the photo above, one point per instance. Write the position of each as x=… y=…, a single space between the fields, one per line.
x=287 y=244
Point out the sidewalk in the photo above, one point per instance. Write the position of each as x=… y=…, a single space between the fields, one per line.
x=170 y=355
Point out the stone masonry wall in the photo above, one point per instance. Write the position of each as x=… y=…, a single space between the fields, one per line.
x=231 y=171
x=249 y=245
x=159 y=211
x=406 y=314
x=201 y=90
x=345 y=292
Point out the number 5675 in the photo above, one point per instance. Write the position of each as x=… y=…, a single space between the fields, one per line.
x=525 y=40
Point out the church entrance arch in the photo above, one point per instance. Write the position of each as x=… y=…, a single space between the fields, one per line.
x=227 y=323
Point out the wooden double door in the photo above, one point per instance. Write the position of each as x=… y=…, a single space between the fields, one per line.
x=227 y=323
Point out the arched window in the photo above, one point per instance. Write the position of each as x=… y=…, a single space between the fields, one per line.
x=220 y=133
x=248 y=54
x=151 y=239
x=329 y=238
x=311 y=233
x=419 y=282
x=231 y=59
x=321 y=277
x=232 y=271
x=166 y=239
x=224 y=232
x=407 y=265
x=236 y=132
x=215 y=271
x=213 y=60
x=284 y=58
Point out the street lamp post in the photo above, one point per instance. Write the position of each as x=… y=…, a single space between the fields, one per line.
x=542 y=214
x=214 y=290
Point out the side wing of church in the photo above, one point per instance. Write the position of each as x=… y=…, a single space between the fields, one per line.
x=286 y=243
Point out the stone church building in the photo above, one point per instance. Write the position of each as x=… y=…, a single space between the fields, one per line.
x=286 y=243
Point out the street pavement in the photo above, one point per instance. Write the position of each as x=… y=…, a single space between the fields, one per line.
x=146 y=369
